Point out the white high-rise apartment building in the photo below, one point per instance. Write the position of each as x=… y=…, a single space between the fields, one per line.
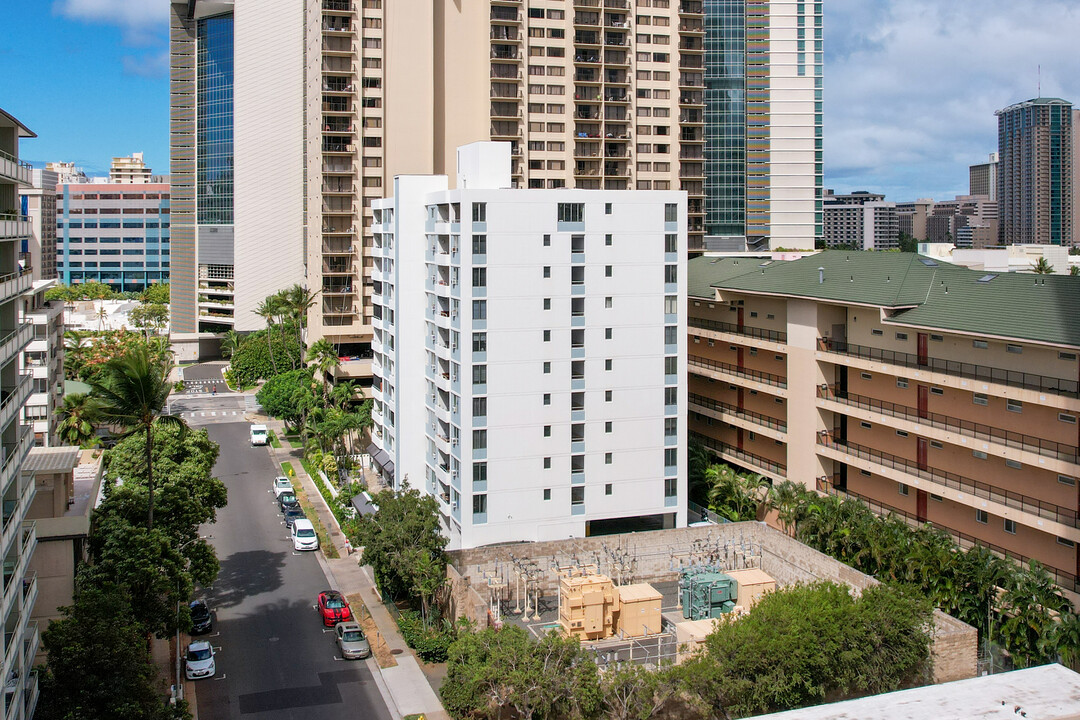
x=528 y=345
x=18 y=538
x=131 y=169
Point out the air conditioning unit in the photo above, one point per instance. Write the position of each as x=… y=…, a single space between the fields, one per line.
x=453 y=505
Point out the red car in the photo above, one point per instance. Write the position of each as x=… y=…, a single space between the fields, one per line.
x=333 y=608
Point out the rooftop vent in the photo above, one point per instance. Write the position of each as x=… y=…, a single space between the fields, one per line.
x=986 y=278
x=928 y=262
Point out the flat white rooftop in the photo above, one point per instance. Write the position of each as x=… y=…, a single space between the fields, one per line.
x=1049 y=692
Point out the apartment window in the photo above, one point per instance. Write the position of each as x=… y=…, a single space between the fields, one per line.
x=1066 y=480
x=671 y=305
x=1010 y=526
x=547 y=303
x=981 y=516
x=867 y=473
x=571 y=212
x=479 y=280
x=671 y=335
x=978 y=454
x=607 y=238
x=479 y=212
x=671 y=212
x=877 y=332
x=479 y=375
x=479 y=244
x=671 y=365
x=901 y=383
x=671 y=457
x=1066 y=356
x=479 y=407
x=607 y=489
x=671 y=396
x=607 y=210
x=607 y=271
x=547 y=398
x=937 y=338
x=937 y=391
x=607 y=333
x=607 y=302
x=607 y=426
x=547 y=493
x=479 y=310
x=479 y=504
x=607 y=396
x=479 y=439
x=980 y=399
x=980 y=344
x=1014 y=464
x=671 y=487
x=1014 y=349
x=547 y=238
x=607 y=364
x=547 y=336
x=866 y=376
x=547 y=463
x=671 y=427
x=902 y=489
x=936 y=445
x=901 y=336
x=1014 y=406
x=547 y=431
x=1067 y=418
x=901 y=433
x=547 y=367
x=479 y=342
x=1066 y=542
x=609 y=458
x=866 y=425
x=671 y=274
x=577 y=496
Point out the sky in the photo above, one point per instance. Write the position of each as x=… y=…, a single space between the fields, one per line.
x=910 y=86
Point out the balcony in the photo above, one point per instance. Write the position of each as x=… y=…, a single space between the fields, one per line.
x=13 y=398
x=12 y=342
x=984 y=373
x=505 y=33
x=1015 y=500
x=739 y=372
x=1062 y=578
x=14 y=225
x=966 y=428
x=730 y=411
x=15 y=169
x=15 y=284
x=771 y=468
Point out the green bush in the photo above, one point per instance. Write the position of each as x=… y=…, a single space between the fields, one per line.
x=431 y=641
x=252 y=361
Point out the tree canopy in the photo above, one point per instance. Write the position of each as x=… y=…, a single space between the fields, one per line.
x=156 y=293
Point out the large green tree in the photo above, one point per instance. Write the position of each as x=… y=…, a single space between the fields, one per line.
x=131 y=392
x=77 y=416
x=401 y=540
x=97 y=662
x=290 y=396
x=151 y=318
x=252 y=361
x=156 y=293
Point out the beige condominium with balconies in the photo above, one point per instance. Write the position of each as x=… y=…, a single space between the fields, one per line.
x=18 y=538
x=938 y=393
x=605 y=94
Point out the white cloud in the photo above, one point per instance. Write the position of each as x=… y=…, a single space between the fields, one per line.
x=140 y=19
x=911 y=85
x=148 y=65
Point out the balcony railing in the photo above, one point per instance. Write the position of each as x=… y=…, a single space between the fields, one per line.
x=1063 y=578
x=1019 y=441
x=752 y=460
x=742 y=413
x=763 y=377
x=15 y=168
x=760 y=333
x=1012 y=378
x=1019 y=501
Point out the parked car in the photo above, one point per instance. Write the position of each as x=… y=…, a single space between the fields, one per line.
x=333 y=608
x=292 y=514
x=351 y=641
x=303 y=535
x=287 y=500
x=200 y=661
x=201 y=622
x=260 y=435
x=282 y=484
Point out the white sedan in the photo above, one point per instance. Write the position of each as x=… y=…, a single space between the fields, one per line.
x=200 y=661
x=281 y=484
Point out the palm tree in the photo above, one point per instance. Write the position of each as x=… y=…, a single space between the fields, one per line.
x=1042 y=267
x=230 y=341
x=324 y=356
x=1074 y=270
x=131 y=392
x=265 y=310
x=75 y=347
x=76 y=420
x=788 y=499
x=300 y=300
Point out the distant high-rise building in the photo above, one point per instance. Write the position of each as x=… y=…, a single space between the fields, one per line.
x=861 y=220
x=129 y=170
x=40 y=205
x=912 y=217
x=593 y=95
x=1035 y=172
x=982 y=178
x=114 y=233
x=66 y=172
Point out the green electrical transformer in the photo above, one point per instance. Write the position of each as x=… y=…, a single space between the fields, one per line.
x=707 y=592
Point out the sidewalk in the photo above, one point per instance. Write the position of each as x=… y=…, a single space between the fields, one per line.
x=406 y=684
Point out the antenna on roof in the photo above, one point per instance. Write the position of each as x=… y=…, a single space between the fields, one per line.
x=820 y=275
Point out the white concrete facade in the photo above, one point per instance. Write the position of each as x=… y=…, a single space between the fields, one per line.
x=42 y=363
x=549 y=351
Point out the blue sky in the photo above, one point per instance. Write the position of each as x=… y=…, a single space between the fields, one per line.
x=910 y=85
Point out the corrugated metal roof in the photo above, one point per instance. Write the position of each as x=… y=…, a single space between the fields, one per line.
x=51 y=460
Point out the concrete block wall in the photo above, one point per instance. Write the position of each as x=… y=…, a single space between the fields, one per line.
x=660 y=554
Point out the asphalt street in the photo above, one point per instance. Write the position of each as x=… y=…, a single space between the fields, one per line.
x=275 y=660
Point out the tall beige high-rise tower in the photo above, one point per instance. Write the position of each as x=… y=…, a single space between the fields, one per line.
x=287 y=124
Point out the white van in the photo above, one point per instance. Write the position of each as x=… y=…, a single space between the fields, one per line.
x=303 y=535
x=260 y=435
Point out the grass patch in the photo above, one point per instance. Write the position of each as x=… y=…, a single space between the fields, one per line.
x=325 y=543
x=295 y=441
x=274 y=442
x=379 y=648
